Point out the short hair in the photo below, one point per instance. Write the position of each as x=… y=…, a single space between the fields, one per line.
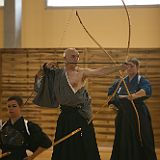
x=18 y=99
x=70 y=50
x=134 y=61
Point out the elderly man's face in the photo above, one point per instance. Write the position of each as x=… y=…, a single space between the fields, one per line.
x=72 y=57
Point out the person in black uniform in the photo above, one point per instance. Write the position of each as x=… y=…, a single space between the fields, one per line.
x=18 y=134
x=130 y=143
x=65 y=87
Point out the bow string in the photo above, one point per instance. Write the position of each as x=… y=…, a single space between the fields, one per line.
x=121 y=75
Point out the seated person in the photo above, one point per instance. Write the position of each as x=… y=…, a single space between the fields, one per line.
x=18 y=135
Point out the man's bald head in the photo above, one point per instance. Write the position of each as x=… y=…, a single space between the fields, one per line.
x=70 y=51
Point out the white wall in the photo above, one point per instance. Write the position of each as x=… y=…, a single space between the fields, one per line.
x=43 y=27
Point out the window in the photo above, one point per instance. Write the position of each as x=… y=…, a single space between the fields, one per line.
x=99 y=3
x=1 y=3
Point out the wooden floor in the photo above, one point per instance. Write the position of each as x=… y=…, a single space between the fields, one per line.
x=104 y=153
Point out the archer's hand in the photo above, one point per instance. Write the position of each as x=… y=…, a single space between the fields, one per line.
x=51 y=65
x=132 y=96
x=123 y=67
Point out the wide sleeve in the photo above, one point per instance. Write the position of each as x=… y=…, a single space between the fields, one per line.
x=146 y=86
x=112 y=88
x=45 y=96
x=37 y=137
